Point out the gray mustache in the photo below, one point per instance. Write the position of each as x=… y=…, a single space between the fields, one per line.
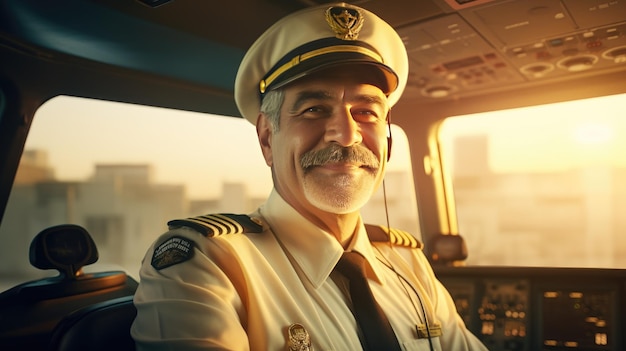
x=336 y=153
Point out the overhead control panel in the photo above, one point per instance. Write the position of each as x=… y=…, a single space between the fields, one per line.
x=520 y=43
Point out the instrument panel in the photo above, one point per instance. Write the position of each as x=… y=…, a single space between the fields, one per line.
x=528 y=309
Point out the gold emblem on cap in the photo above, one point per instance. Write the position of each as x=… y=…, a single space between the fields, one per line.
x=299 y=338
x=346 y=22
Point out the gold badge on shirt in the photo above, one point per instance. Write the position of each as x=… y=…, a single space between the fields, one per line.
x=299 y=339
x=431 y=331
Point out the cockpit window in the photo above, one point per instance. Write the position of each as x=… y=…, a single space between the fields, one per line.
x=541 y=186
x=122 y=171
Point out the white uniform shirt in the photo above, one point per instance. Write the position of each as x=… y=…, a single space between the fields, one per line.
x=243 y=291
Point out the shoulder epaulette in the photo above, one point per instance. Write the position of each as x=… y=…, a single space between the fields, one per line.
x=219 y=224
x=379 y=233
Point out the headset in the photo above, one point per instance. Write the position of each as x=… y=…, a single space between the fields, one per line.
x=403 y=281
x=388 y=136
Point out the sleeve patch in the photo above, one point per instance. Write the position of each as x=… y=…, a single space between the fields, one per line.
x=173 y=251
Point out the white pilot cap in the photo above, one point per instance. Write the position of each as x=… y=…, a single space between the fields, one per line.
x=317 y=38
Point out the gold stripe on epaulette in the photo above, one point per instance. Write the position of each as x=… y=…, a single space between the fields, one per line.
x=220 y=224
x=211 y=230
x=402 y=238
x=226 y=224
x=379 y=233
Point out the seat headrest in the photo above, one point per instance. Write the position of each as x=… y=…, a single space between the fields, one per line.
x=66 y=248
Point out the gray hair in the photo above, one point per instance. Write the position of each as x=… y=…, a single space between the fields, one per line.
x=270 y=106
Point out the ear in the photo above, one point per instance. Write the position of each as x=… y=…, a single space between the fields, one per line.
x=264 y=133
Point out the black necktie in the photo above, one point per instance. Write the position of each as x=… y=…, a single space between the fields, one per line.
x=370 y=317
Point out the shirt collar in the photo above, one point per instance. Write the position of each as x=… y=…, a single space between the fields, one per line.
x=361 y=244
x=313 y=250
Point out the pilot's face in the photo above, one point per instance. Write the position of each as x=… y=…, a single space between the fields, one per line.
x=322 y=116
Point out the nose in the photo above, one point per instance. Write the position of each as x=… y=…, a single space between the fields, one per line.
x=343 y=129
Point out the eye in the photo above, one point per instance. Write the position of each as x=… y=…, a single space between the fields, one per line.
x=315 y=112
x=366 y=115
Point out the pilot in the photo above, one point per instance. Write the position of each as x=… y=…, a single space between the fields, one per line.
x=304 y=272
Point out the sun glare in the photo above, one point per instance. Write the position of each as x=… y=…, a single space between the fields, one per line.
x=547 y=138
